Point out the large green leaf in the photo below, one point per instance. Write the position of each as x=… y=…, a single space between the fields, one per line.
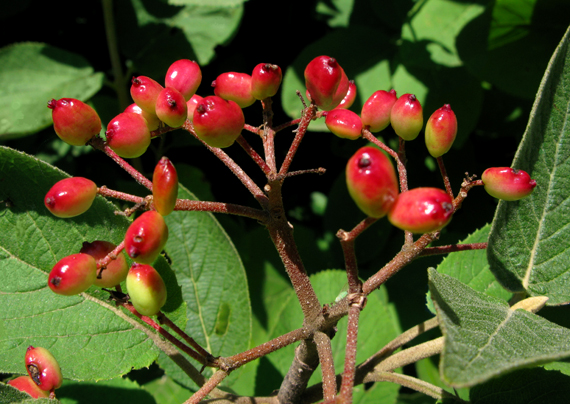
x=10 y=395
x=31 y=75
x=90 y=337
x=114 y=391
x=528 y=246
x=484 y=338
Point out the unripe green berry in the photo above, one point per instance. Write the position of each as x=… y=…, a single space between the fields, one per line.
x=185 y=76
x=128 y=135
x=235 y=87
x=218 y=122
x=422 y=210
x=344 y=123
x=74 y=121
x=164 y=186
x=371 y=181
x=171 y=107
x=323 y=75
x=265 y=80
x=43 y=368
x=70 y=197
x=406 y=117
x=441 y=129
x=146 y=236
x=144 y=92
x=508 y=184
x=27 y=385
x=115 y=272
x=146 y=289
x=377 y=109
x=73 y=274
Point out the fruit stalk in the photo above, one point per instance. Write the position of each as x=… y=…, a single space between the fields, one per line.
x=162 y=319
x=308 y=115
x=445 y=176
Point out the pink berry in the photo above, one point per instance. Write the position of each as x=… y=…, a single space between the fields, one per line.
x=441 y=129
x=218 y=122
x=27 y=385
x=164 y=186
x=377 y=109
x=371 y=181
x=406 y=117
x=70 y=197
x=191 y=104
x=74 y=121
x=350 y=96
x=265 y=80
x=73 y=274
x=235 y=87
x=43 y=368
x=146 y=236
x=507 y=183
x=115 y=272
x=152 y=121
x=144 y=91
x=422 y=210
x=323 y=75
x=185 y=76
x=146 y=289
x=344 y=123
x=171 y=107
x=128 y=135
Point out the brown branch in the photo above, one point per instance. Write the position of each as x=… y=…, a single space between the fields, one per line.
x=110 y=193
x=323 y=343
x=308 y=115
x=253 y=154
x=162 y=319
x=445 y=177
x=220 y=207
x=452 y=248
x=305 y=362
x=207 y=387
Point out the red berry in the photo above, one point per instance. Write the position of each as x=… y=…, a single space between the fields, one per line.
x=128 y=135
x=164 y=186
x=235 y=87
x=350 y=96
x=185 y=76
x=377 y=109
x=146 y=289
x=74 y=121
x=507 y=183
x=43 y=368
x=406 y=117
x=192 y=103
x=115 y=272
x=27 y=385
x=265 y=80
x=441 y=129
x=144 y=91
x=146 y=237
x=73 y=274
x=70 y=197
x=422 y=210
x=371 y=181
x=344 y=123
x=323 y=75
x=171 y=107
x=218 y=122
x=152 y=121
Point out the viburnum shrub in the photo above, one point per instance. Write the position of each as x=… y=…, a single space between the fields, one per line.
x=313 y=289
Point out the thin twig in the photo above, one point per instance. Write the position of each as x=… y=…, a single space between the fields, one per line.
x=220 y=207
x=445 y=177
x=308 y=115
x=452 y=248
x=323 y=343
x=104 y=191
x=161 y=317
x=253 y=154
x=207 y=387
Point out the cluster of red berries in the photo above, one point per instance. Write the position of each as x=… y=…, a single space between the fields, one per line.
x=44 y=374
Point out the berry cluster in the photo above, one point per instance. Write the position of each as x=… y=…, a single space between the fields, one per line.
x=44 y=374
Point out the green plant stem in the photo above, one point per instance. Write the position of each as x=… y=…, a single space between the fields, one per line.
x=410 y=355
x=323 y=343
x=207 y=387
x=414 y=384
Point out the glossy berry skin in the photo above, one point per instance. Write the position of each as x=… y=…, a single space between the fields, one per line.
x=235 y=87
x=144 y=92
x=146 y=289
x=422 y=210
x=344 y=123
x=350 y=96
x=265 y=80
x=407 y=117
x=152 y=121
x=441 y=129
x=73 y=274
x=164 y=186
x=371 y=181
x=27 y=385
x=508 y=184
x=70 y=197
x=146 y=236
x=323 y=75
x=218 y=122
x=128 y=135
x=74 y=121
x=171 y=107
x=115 y=272
x=377 y=109
x=185 y=76
x=43 y=368
x=192 y=103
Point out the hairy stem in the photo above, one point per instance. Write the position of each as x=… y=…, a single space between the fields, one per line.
x=207 y=387
x=220 y=207
x=253 y=154
x=445 y=249
x=323 y=343
x=445 y=176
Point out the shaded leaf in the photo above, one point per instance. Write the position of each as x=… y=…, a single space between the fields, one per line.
x=167 y=391
x=11 y=395
x=114 y=391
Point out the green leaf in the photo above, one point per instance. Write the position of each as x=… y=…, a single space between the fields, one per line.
x=211 y=3
x=114 y=391
x=484 y=338
x=511 y=21
x=528 y=246
x=90 y=337
x=31 y=75
x=11 y=395
x=214 y=286
x=337 y=12
x=167 y=391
